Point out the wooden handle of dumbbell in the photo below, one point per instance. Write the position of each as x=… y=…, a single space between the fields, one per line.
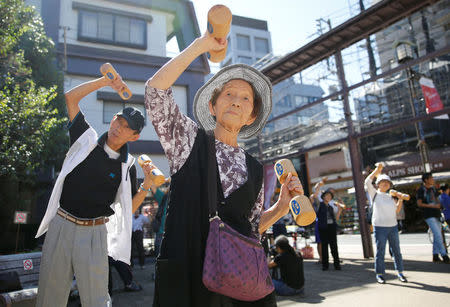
x=219 y=22
x=399 y=195
x=109 y=72
x=283 y=171
x=156 y=175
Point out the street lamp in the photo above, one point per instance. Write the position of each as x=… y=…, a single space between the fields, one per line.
x=404 y=53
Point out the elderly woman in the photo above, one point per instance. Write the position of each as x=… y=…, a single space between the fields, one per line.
x=327 y=227
x=384 y=221
x=236 y=102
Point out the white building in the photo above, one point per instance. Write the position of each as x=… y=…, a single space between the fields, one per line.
x=248 y=41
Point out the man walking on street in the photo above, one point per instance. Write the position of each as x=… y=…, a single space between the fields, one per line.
x=427 y=199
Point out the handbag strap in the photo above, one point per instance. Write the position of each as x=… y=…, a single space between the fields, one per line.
x=212 y=173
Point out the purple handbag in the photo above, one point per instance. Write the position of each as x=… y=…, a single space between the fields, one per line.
x=234 y=265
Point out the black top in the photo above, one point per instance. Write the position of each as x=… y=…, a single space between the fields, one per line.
x=91 y=187
x=291 y=269
x=325 y=216
x=428 y=196
x=180 y=262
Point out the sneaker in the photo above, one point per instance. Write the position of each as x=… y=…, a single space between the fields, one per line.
x=402 y=278
x=133 y=287
x=380 y=279
x=337 y=266
x=436 y=258
x=446 y=259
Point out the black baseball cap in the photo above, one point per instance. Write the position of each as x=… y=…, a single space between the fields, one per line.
x=134 y=118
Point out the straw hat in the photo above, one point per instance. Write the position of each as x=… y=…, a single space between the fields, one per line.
x=260 y=83
x=383 y=177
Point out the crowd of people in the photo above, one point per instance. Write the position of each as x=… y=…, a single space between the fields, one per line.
x=93 y=218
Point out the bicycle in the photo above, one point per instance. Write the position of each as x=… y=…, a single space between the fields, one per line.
x=445 y=232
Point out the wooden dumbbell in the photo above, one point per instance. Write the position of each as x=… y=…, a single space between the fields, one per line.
x=397 y=194
x=300 y=206
x=156 y=175
x=219 y=22
x=109 y=72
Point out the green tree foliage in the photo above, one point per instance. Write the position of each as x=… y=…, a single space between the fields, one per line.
x=32 y=116
x=31 y=100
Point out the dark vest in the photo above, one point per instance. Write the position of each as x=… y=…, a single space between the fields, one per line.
x=322 y=215
x=180 y=262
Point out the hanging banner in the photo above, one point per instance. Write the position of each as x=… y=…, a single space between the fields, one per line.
x=270 y=182
x=432 y=100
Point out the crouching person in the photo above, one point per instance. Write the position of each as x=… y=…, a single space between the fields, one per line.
x=290 y=265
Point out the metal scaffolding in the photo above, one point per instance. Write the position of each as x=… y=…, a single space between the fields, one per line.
x=379 y=16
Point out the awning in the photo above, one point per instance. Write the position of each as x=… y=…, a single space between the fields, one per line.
x=412 y=180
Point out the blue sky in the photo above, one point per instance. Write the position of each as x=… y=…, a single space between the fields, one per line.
x=292 y=24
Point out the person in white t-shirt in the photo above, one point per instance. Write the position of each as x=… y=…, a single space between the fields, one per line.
x=384 y=221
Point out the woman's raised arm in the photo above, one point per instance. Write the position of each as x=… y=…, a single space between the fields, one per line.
x=166 y=76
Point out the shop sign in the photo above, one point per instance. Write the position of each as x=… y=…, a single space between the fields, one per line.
x=413 y=170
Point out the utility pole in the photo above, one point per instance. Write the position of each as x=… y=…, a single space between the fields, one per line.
x=372 y=64
x=355 y=158
x=429 y=42
x=320 y=32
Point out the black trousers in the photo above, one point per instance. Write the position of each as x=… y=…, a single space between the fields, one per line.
x=124 y=271
x=328 y=237
x=137 y=240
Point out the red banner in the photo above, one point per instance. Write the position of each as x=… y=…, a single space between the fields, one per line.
x=432 y=99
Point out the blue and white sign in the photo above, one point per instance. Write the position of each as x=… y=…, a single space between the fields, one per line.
x=279 y=168
x=295 y=207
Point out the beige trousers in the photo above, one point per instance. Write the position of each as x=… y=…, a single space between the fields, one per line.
x=69 y=250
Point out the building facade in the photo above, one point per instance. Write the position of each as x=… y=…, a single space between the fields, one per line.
x=132 y=36
x=249 y=41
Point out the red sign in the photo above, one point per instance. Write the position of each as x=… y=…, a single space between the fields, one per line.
x=432 y=99
x=28 y=264
x=20 y=217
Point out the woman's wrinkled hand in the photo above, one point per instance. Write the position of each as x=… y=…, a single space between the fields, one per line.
x=210 y=43
x=291 y=187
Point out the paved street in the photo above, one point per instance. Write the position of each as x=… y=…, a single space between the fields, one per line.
x=429 y=283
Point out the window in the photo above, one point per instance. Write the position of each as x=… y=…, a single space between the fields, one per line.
x=110 y=108
x=312 y=99
x=300 y=100
x=112 y=29
x=245 y=60
x=284 y=102
x=261 y=45
x=243 y=42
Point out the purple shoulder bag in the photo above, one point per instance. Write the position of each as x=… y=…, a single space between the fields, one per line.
x=234 y=265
